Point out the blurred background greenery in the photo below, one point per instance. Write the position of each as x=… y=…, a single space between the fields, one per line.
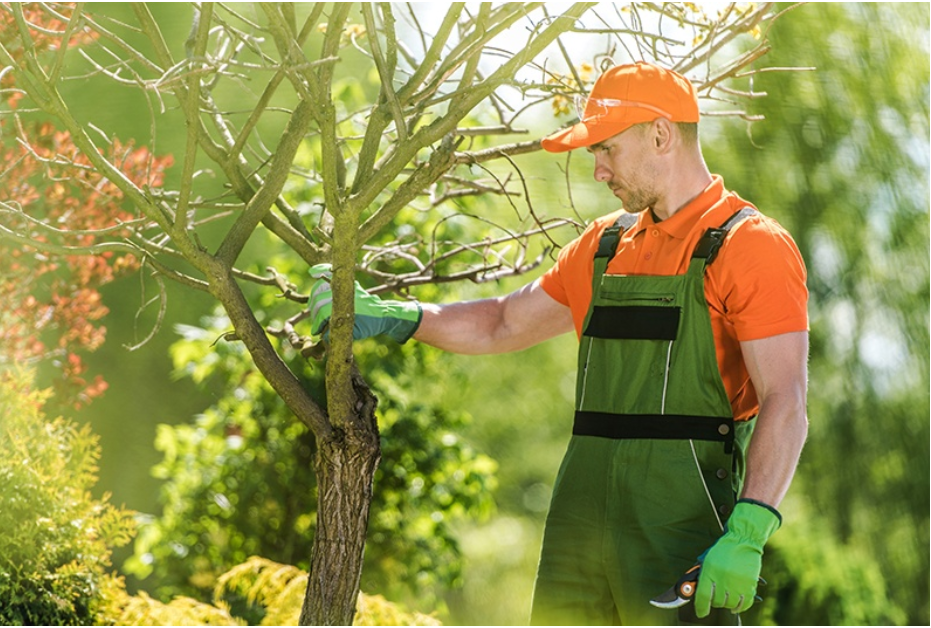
x=841 y=160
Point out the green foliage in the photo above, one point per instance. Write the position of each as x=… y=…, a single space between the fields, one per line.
x=279 y=590
x=276 y=591
x=57 y=540
x=239 y=482
x=813 y=580
x=849 y=145
x=375 y=610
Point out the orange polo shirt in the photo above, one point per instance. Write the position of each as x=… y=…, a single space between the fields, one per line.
x=755 y=288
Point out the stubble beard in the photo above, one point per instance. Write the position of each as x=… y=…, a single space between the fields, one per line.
x=641 y=194
x=635 y=201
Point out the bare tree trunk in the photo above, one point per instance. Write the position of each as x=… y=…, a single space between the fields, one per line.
x=345 y=469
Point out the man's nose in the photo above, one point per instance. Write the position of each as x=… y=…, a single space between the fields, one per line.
x=602 y=173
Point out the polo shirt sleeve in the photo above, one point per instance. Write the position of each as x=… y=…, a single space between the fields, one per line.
x=569 y=281
x=553 y=280
x=762 y=285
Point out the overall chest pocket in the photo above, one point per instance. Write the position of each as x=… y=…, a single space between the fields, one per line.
x=633 y=315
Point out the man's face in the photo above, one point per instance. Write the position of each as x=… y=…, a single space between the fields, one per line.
x=625 y=164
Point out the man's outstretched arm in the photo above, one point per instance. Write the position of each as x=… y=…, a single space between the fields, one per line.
x=510 y=323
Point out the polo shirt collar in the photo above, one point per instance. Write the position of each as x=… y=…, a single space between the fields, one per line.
x=680 y=224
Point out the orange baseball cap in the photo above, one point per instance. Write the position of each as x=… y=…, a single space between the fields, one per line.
x=624 y=96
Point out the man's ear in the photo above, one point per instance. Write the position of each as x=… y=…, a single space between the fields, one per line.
x=661 y=135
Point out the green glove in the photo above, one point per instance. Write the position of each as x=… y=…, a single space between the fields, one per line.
x=731 y=567
x=396 y=319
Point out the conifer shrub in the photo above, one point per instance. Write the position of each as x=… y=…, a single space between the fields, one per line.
x=258 y=588
x=55 y=538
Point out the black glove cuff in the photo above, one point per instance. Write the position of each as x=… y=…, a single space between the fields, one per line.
x=411 y=327
x=746 y=500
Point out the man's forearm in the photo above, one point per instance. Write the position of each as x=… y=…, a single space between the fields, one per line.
x=778 y=368
x=467 y=327
x=510 y=323
x=774 y=451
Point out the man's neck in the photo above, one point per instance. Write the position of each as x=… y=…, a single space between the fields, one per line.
x=682 y=191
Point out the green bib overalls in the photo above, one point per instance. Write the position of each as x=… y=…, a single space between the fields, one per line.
x=655 y=461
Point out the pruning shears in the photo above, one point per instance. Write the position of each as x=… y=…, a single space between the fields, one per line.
x=681 y=592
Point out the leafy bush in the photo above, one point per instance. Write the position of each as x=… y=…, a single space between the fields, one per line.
x=56 y=540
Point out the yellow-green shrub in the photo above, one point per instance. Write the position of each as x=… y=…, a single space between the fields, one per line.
x=55 y=539
x=274 y=589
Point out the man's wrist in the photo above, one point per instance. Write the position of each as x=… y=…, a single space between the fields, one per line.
x=407 y=327
x=772 y=509
x=754 y=521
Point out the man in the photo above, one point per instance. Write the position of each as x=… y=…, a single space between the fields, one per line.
x=690 y=307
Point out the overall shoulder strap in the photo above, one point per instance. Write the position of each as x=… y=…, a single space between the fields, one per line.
x=612 y=235
x=607 y=246
x=713 y=238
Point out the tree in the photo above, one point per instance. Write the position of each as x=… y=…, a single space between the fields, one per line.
x=447 y=85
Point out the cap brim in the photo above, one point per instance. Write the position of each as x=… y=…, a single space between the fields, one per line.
x=597 y=130
x=580 y=135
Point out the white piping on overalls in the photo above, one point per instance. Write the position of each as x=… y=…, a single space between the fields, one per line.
x=588 y=358
x=662 y=408
x=705 y=485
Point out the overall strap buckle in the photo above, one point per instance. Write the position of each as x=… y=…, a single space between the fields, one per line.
x=711 y=241
x=612 y=235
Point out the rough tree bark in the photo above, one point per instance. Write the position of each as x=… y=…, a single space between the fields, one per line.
x=345 y=468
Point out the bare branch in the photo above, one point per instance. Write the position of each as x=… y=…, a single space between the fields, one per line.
x=199 y=32
x=304 y=345
x=162 y=299
x=497 y=152
x=266 y=195
x=425 y=175
x=471 y=131
x=385 y=70
x=433 y=55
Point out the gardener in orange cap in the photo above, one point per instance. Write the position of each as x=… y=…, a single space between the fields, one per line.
x=691 y=310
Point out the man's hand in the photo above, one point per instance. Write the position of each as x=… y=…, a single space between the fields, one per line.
x=396 y=319
x=731 y=567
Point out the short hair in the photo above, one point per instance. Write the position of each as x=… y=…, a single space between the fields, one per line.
x=689 y=132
